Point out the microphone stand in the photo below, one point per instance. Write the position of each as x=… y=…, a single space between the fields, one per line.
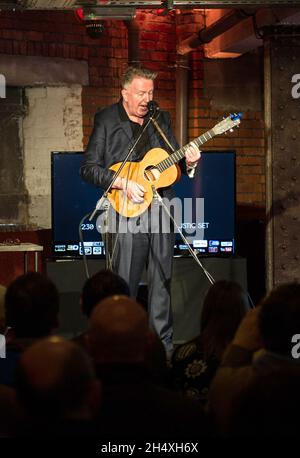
x=158 y=198
x=117 y=173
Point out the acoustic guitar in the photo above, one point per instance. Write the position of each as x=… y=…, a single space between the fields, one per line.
x=158 y=169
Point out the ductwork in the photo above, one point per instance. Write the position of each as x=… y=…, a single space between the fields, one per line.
x=207 y=34
x=240 y=31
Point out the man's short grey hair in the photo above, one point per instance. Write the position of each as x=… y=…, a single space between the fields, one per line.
x=137 y=72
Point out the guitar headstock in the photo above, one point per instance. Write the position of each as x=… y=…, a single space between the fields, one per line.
x=228 y=123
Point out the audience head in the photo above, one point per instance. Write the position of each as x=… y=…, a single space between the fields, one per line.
x=279 y=318
x=56 y=379
x=101 y=285
x=224 y=306
x=118 y=331
x=270 y=405
x=32 y=306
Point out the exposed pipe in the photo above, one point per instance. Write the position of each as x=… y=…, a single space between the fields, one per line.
x=269 y=255
x=133 y=42
x=182 y=69
x=207 y=34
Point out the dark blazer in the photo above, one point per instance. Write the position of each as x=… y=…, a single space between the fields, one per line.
x=135 y=408
x=110 y=141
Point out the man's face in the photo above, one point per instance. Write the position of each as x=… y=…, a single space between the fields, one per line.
x=136 y=96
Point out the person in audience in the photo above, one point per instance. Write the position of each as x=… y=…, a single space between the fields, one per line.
x=106 y=283
x=256 y=389
x=31 y=312
x=103 y=284
x=9 y=412
x=57 y=389
x=133 y=405
x=194 y=363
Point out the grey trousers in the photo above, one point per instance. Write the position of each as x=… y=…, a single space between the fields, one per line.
x=143 y=244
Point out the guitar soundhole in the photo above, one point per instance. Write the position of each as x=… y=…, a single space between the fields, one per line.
x=151 y=173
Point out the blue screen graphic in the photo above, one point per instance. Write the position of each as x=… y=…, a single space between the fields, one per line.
x=211 y=231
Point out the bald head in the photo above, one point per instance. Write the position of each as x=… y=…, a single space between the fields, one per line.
x=54 y=376
x=118 y=331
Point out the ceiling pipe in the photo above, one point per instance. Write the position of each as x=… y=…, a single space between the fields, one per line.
x=133 y=31
x=182 y=71
x=182 y=65
x=207 y=34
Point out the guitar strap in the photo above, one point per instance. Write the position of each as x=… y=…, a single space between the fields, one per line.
x=158 y=128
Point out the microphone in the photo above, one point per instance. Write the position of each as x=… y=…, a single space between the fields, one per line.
x=152 y=107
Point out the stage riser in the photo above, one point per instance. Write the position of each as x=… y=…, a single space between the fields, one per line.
x=189 y=286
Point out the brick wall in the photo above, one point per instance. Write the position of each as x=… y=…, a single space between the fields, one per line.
x=158 y=52
x=247 y=141
x=60 y=34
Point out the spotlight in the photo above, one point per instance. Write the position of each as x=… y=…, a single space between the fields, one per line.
x=94 y=29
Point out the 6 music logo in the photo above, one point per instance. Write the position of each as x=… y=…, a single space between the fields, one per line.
x=296 y=88
x=296 y=348
x=2 y=87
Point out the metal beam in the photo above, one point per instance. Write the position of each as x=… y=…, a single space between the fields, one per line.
x=233 y=3
x=142 y=4
x=282 y=46
x=5 y=5
x=37 y=4
x=170 y=4
x=41 y=4
x=122 y=12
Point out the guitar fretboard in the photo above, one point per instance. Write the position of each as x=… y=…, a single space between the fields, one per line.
x=179 y=154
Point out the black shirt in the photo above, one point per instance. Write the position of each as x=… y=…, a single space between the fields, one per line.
x=143 y=145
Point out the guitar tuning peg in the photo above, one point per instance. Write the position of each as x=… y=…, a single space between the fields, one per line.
x=230 y=130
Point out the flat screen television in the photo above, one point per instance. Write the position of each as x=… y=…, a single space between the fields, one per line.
x=207 y=213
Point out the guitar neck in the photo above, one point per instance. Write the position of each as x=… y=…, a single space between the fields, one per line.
x=179 y=154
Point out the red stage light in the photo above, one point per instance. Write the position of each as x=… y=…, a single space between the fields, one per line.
x=79 y=14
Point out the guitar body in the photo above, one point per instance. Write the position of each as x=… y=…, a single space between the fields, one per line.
x=145 y=174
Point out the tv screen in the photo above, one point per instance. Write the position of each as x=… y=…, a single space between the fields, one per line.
x=206 y=215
